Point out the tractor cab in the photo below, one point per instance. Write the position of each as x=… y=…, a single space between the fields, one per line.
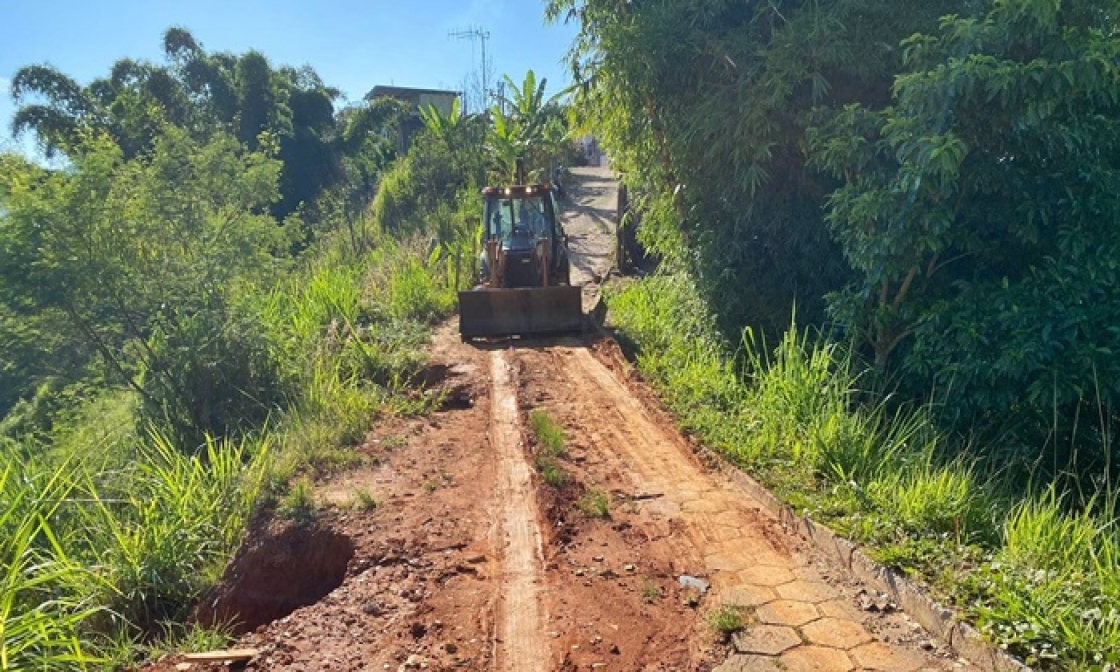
x=522 y=238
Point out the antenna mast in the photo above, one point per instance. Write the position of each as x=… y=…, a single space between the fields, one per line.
x=482 y=35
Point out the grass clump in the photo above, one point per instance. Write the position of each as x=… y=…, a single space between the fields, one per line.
x=727 y=619
x=93 y=556
x=364 y=500
x=178 y=637
x=550 y=436
x=551 y=471
x=595 y=504
x=298 y=503
x=550 y=447
x=1053 y=588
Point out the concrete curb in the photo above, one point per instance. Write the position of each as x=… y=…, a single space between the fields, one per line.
x=940 y=621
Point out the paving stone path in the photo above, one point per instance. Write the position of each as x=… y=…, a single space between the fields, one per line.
x=798 y=620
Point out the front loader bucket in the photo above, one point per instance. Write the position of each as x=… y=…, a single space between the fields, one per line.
x=520 y=312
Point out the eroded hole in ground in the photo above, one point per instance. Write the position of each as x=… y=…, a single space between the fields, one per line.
x=458 y=398
x=432 y=375
x=276 y=572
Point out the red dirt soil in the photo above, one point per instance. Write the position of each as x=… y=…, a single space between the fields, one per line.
x=470 y=561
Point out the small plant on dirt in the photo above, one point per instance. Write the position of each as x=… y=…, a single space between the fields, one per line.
x=407 y=403
x=551 y=472
x=177 y=638
x=299 y=503
x=324 y=461
x=430 y=486
x=364 y=500
x=549 y=434
x=394 y=442
x=651 y=592
x=595 y=504
x=727 y=620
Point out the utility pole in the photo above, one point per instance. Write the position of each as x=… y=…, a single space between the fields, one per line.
x=482 y=35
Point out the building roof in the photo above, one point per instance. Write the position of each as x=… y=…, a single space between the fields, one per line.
x=405 y=92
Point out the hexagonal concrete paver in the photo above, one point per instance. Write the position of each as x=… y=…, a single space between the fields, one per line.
x=787 y=612
x=734 y=546
x=683 y=492
x=725 y=563
x=765 y=575
x=749 y=596
x=879 y=656
x=807 y=572
x=740 y=663
x=700 y=505
x=808 y=591
x=836 y=609
x=839 y=633
x=761 y=556
x=815 y=659
x=765 y=639
x=728 y=519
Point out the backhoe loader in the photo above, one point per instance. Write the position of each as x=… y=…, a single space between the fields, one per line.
x=525 y=279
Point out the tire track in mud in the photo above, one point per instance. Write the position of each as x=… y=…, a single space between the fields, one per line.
x=520 y=645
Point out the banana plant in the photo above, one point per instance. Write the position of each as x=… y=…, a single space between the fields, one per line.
x=439 y=125
x=524 y=131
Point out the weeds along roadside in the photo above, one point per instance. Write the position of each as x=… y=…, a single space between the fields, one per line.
x=112 y=530
x=352 y=335
x=1038 y=578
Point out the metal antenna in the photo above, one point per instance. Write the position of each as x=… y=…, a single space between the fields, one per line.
x=482 y=35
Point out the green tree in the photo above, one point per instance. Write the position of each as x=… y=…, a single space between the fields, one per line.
x=444 y=168
x=981 y=210
x=141 y=259
x=205 y=94
x=704 y=106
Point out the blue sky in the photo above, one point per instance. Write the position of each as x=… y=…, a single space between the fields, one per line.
x=352 y=44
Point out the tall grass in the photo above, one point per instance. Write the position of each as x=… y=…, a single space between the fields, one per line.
x=111 y=530
x=41 y=615
x=1056 y=582
x=353 y=330
x=86 y=558
x=1040 y=578
x=160 y=540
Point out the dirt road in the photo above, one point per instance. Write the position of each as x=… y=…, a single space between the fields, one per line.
x=446 y=549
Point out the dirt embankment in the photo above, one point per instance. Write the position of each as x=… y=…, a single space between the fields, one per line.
x=449 y=552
